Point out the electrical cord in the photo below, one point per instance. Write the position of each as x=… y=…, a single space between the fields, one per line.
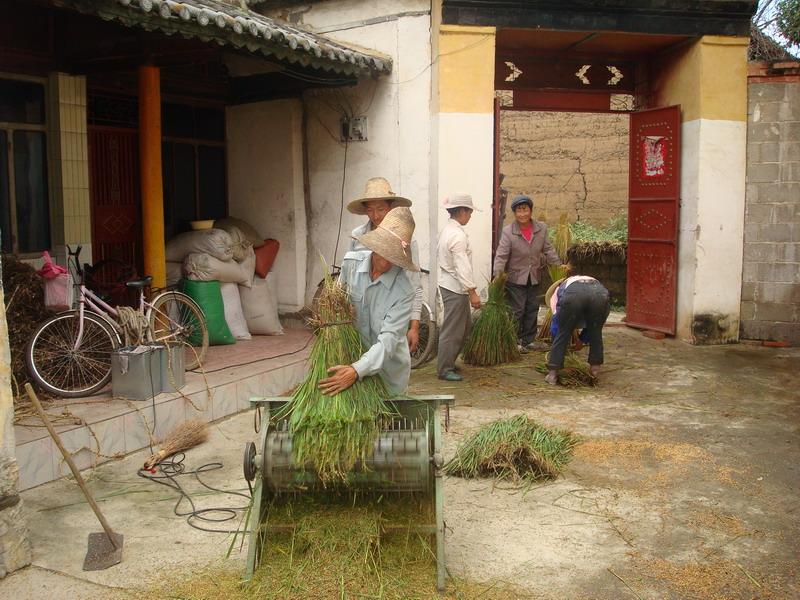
x=172 y=468
x=341 y=207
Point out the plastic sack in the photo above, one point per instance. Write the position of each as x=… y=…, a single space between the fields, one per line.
x=240 y=243
x=265 y=257
x=50 y=270
x=260 y=306
x=234 y=316
x=174 y=272
x=58 y=292
x=216 y=242
x=208 y=296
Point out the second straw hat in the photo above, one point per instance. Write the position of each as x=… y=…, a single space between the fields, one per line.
x=392 y=238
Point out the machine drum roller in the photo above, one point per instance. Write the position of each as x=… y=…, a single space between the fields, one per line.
x=406 y=458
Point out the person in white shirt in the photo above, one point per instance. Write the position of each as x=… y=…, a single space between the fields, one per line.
x=456 y=285
x=377 y=201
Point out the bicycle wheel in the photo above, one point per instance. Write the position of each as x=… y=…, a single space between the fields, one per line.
x=177 y=319
x=427 y=338
x=63 y=370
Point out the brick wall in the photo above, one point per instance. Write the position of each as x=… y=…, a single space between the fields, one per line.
x=771 y=272
x=573 y=162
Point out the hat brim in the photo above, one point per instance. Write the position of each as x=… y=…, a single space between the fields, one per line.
x=552 y=290
x=448 y=206
x=357 y=206
x=378 y=242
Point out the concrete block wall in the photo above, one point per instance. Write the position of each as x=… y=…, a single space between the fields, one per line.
x=771 y=271
x=573 y=162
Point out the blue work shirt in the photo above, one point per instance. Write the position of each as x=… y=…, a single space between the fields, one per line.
x=383 y=309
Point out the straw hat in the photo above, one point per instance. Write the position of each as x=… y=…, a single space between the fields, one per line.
x=392 y=238
x=459 y=199
x=377 y=188
x=552 y=290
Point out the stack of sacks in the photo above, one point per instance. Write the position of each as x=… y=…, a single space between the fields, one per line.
x=224 y=258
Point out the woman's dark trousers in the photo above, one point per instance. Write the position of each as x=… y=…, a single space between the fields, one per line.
x=524 y=303
x=584 y=303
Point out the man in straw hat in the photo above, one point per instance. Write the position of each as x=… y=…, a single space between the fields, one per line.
x=576 y=302
x=456 y=284
x=377 y=201
x=382 y=294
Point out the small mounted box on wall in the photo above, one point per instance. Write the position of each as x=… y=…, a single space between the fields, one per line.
x=353 y=130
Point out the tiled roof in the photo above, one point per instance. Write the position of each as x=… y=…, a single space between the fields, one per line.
x=215 y=20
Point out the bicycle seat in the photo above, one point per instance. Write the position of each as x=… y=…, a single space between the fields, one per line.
x=140 y=283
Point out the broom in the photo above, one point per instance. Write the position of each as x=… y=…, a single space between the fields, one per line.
x=186 y=435
x=333 y=432
x=493 y=339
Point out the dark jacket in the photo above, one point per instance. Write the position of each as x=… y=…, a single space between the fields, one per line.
x=522 y=259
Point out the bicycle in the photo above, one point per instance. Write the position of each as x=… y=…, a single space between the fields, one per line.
x=69 y=354
x=426 y=347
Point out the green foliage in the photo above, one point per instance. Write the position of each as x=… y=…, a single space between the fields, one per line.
x=516 y=449
x=331 y=432
x=493 y=339
x=788 y=20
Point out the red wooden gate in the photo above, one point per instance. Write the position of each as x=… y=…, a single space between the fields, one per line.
x=654 y=198
x=114 y=192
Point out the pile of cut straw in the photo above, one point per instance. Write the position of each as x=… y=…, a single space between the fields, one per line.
x=330 y=433
x=493 y=339
x=574 y=374
x=516 y=449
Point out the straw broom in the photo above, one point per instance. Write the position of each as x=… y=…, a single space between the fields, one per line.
x=493 y=339
x=186 y=435
x=331 y=433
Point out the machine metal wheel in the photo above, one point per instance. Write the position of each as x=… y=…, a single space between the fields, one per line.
x=177 y=319
x=249 y=461
x=427 y=338
x=58 y=367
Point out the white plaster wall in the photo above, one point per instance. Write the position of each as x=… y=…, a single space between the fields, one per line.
x=711 y=235
x=397 y=108
x=265 y=185
x=465 y=163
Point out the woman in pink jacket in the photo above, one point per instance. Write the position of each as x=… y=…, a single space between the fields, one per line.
x=523 y=252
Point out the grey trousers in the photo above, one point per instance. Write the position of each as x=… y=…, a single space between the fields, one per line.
x=455 y=328
x=524 y=303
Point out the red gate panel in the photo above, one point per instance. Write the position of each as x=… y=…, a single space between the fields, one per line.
x=654 y=199
x=114 y=192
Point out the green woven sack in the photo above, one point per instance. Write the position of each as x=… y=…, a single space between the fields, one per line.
x=208 y=295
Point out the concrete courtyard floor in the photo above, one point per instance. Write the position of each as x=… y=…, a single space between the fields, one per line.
x=687 y=485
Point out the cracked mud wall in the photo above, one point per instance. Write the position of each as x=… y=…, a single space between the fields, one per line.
x=573 y=162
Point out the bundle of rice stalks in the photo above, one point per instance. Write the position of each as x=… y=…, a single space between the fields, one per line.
x=24 y=301
x=597 y=252
x=516 y=449
x=331 y=433
x=574 y=374
x=493 y=339
x=563 y=238
x=181 y=438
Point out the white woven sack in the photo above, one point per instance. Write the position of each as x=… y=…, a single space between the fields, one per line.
x=174 y=272
x=260 y=306
x=203 y=267
x=249 y=232
x=216 y=242
x=248 y=265
x=234 y=316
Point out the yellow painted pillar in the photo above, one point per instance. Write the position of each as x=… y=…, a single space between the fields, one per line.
x=152 y=187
